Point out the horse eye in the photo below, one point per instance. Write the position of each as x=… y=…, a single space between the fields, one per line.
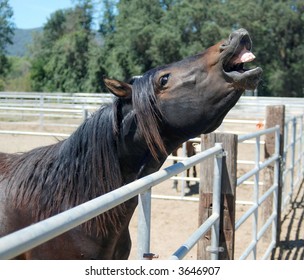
x=164 y=80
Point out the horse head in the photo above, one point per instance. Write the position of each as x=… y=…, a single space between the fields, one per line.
x=192 y=96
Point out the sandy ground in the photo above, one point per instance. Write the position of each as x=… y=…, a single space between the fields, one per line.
x=173 y=220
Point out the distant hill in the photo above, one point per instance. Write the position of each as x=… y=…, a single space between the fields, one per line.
x=24 y=37
x=21 y=39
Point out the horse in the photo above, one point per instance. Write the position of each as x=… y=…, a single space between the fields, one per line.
x=121 y=142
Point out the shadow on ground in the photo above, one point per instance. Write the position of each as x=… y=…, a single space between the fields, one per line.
x=291 y=246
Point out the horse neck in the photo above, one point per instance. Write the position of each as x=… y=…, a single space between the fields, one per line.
x=135 y=157
x=91 y=154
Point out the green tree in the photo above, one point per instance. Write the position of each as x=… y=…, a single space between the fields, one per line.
x=95 y=68
x=285 y=70
x=61 y=55
x=126 y=46
x=146 y=33
x=277 y=29
x=192 y=26
x=18 y=78
x=151 y=33
x=6 y=32
x=141 y=34
x=107 y=25
x=41 y=49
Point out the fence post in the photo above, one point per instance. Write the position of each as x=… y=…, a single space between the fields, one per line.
x=85 y=114
x=293 y=151
x=41 y=115
x=227 y=222
x=300 y=152
x=275 y=115
x=144 y=224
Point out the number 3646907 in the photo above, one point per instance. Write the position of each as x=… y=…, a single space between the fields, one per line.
x=202 y=270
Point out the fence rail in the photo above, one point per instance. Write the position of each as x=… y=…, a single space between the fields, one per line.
x=23 y=240
x=258 y=200
x=70 y=98
x=293 y=157
x=271 y=191
x=288 y=171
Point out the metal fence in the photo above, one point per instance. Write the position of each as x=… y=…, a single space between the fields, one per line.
x=64 y=100
x=293 y=157
x=45 y=108
x=258 y=199
x=34 y=235
x=291 y=164
x=25 y=239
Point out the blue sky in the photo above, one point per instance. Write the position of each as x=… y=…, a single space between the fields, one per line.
x=34 y=13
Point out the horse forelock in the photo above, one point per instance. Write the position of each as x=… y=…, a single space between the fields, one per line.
x=148 y=113
x=61 y=176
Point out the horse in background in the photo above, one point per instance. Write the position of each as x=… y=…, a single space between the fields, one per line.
x=120 y=143
x=190 y=151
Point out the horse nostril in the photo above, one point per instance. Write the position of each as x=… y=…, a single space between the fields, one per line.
x=238 y=33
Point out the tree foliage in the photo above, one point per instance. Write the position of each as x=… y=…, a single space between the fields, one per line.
x=6 y=33
x=140 y=34
x=64 y=51
x=6 y=24
x=277 y=28
x=18 y=78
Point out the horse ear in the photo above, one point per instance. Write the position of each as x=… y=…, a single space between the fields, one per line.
x=118 y=88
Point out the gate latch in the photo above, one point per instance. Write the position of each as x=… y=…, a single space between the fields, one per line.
x=215 y=249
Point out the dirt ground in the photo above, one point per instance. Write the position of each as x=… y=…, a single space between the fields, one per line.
x=291 y=246
x=173 y=220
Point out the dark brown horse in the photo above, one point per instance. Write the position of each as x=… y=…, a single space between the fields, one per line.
x=120 y=143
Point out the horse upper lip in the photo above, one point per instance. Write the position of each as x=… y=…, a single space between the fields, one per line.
x=237 y=51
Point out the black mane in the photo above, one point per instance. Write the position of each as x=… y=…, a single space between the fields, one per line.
x=70 y=172
x=86 y=165
x=148 y=112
